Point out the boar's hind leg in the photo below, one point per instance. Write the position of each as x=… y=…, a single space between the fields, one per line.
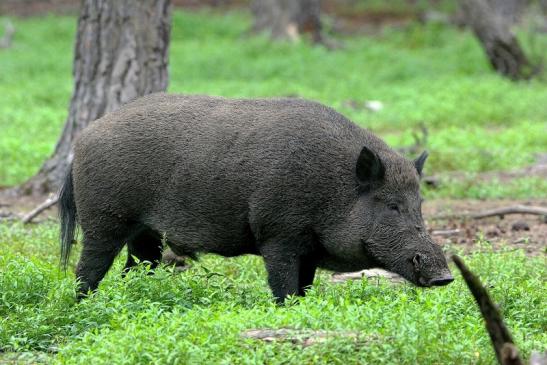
x=145 y=247
x=97 y=257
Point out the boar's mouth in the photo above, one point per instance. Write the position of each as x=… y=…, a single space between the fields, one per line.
x=440 y=281
x=445 y=280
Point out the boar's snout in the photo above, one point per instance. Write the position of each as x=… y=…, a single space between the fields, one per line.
x=434 y=273
x=441 y=281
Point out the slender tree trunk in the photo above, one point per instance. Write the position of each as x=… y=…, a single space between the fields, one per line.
x=500 y=44
x=121 y=53
x=288 y=19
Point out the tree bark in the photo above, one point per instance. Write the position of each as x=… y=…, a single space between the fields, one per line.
x=288 y=19
x=121 y=53
x=501 y=46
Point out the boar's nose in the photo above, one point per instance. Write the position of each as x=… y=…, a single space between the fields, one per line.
x=445 y=280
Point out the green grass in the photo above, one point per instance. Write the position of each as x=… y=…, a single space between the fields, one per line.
x=432 y=75
x=197 y=316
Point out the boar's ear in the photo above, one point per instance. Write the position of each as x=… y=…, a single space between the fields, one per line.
x=420 y=161
x=369 y=167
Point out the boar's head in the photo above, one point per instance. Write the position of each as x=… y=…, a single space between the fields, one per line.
x=383 y=227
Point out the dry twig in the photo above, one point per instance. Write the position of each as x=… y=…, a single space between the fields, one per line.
x=48 y=203
x=445 y=232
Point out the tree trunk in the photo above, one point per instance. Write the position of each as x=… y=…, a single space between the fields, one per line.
x=288 y=19
x=501 y=46
x=121 y=53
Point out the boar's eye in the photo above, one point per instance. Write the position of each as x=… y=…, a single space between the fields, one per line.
x=394 y=207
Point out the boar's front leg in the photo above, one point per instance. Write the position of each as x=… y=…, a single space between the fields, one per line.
x=307 y=268
x=289 y=272
x=282 y=273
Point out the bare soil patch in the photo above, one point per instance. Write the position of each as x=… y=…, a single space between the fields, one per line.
x=528 y=232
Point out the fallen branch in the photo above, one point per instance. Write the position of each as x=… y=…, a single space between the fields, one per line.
x=48 y=203
x=5 y=41
x=506 y=351
x=514 y=209
x=445 y=232
x=300 y=337
x=369 y=274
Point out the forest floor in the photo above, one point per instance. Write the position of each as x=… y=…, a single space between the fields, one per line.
x=487 y=143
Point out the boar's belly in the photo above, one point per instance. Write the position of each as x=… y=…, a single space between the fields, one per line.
x=189 y=235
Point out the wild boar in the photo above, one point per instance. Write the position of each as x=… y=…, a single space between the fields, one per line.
x=290 y=180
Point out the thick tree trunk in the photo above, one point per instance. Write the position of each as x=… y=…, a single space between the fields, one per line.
x=288 y=19
x=121 y=53
x=500 y=44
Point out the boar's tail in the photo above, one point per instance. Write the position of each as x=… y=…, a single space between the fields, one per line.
x=67 y=214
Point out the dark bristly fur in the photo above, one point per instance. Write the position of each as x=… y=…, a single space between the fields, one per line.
x=287 y=179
